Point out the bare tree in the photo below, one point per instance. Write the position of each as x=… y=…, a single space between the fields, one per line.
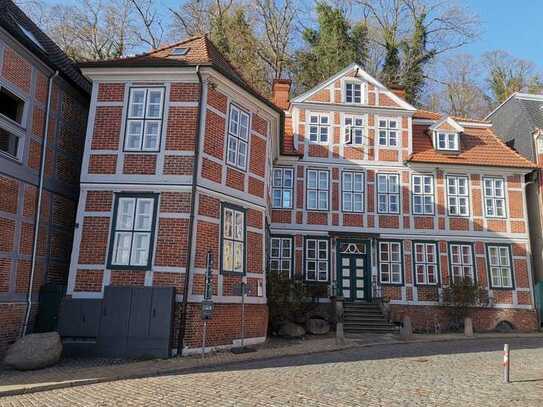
x=276 y=18
x=195 y=17
x=458 y=92
x=507 y=74
x=146 y=13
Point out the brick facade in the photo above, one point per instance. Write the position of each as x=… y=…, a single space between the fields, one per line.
x=25 y=76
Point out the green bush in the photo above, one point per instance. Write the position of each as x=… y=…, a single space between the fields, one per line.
x=288 y=300
x=460 y=296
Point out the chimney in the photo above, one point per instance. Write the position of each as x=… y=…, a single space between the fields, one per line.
x=398 y=90
x=280 y=93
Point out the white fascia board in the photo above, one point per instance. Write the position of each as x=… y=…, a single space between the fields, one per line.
x=449 y=121
x=365 y=76
x=471 y=169
x=185 y=74
x=529 y=96
x=351 y=109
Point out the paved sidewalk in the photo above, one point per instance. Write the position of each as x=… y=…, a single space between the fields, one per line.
x=77 y=372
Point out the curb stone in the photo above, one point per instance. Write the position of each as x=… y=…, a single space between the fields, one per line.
x=168 y=371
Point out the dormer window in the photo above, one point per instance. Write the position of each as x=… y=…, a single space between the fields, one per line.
x=446 y=135
x=353 y=92
x=447 y=141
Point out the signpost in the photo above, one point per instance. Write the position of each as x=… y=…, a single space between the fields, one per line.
x=207 y=303
x=242 y=289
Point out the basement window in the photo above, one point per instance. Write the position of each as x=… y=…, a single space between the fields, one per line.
x=11 y=106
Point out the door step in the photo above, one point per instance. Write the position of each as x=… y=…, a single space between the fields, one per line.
x=365 y=318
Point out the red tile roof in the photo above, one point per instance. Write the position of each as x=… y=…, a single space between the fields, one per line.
x=287 y=146
x=201 y=51
x=478 y=146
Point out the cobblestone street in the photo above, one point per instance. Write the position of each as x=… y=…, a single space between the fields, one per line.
x=459 y=373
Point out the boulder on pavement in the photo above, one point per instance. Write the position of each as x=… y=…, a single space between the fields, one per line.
x=35 y=351
x=317 y=326
x=291 y=330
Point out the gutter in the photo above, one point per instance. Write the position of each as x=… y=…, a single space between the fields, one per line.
x=38 y=206
x=197 y=136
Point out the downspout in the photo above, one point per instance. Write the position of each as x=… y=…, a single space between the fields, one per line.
x=38 y=206
x=183 y=323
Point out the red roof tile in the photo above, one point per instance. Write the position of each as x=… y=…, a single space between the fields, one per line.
x=478 y=146
x=201 y=51
x=287 y=147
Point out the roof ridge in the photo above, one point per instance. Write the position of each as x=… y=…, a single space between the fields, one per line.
x=502 y=143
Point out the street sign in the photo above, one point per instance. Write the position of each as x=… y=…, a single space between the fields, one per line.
x=208 y=292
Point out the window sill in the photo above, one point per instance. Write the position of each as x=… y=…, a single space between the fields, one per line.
x=114 y=267
x=392 y=284
x=232 y=273
x=230 y=165
x=11 y=158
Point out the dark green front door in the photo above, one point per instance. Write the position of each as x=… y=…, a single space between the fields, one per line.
x=354 y=273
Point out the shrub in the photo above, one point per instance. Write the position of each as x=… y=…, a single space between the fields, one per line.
x=460 y=296
x=288 y=300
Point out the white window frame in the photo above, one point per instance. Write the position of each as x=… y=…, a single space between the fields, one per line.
x=387 y=193
x=500 y=266
x=281 y=255
x=426 y=263
x=125 y=225
x=237 y=147
x=494 y=201
x=446 y=141
x=353 y=100
x=320 y=257
x=233 y=237
x=14 y=128
x=349 y=191
x=317 y=123
x=462 y=261
x=354 y=133
x=385 y=131
x=419 y=191
x=389 y=262
x=143 y=120
x=319 y=189
x=455 y=196
x=281 y=189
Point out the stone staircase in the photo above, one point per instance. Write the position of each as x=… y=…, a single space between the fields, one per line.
x=365 y=318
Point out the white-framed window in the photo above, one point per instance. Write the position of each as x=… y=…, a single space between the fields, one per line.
x=316 y=260
x=447 y=141
x=355 y=130
x=539 y=145
x=319 y=128
x=12 y=123
x=281 y=255
x=318 y=190
x=352 y=187
x=425 y=259
x=144 y=119
x=238 y=137
x=388 y=132
x=233 y=240
x=282 y=187
x=494 y=193
x=388 y=193
x=132 y=231
x=390 y=262
x=457 y=195
x=501 y=273
x=462 y=266
x=353 y=92
x=423 y=194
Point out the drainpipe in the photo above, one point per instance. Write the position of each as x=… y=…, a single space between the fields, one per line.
x=38 y=206
x=183 y=323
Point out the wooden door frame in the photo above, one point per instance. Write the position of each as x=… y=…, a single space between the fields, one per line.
x=367 y=267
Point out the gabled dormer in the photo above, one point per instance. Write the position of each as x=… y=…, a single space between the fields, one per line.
x=446 y=135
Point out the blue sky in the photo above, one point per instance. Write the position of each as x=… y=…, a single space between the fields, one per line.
x=512 y=25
